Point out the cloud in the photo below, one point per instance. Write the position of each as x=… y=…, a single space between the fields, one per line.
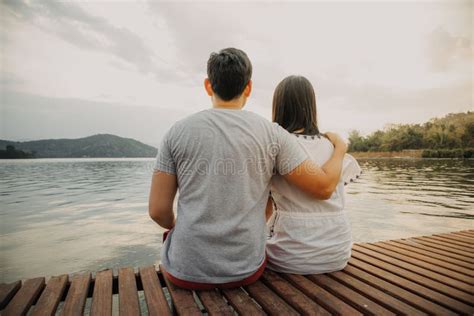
x=74 y=25
x=446 y=50
x=371 y=63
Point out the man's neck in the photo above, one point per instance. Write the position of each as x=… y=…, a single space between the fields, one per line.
x=236 y=104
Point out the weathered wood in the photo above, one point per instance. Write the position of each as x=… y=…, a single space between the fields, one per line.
x=396 y=291
x=214 y=303
x=446 y=245
x=102 y=297
x=415 y=276
x=77 y=294
x=436 y=249
x=386 y=272
x=7 y=291
x=431 y=254
x=418 y=261
x=128 y=294
x=241 y=302
x=357 y=300
x=454 y=253
x=183 y=300
x=24 y=298
x=318 y=294
x=432 y=283
x=465 y=240
x=463 y=234
x=154 y=296
x=51 y=296
x=429 y=277
x=294 y=297
x=380 y=297
x=462 y=244
x=269 y=301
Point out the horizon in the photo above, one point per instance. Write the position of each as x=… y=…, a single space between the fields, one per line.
x=72 y=70
x=387 y=126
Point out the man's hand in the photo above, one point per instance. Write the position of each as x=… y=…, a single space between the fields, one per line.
x=320 y=182
x=336 y=140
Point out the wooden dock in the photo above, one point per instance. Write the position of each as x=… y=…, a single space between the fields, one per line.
x=414 y=276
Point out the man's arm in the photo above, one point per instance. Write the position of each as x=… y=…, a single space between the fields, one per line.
x=320 y=182
x=162 y=193
x=269 y=209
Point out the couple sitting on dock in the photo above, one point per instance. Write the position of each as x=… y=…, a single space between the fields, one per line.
x=252 y=193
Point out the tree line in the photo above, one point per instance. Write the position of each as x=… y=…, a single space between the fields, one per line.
x=446 y=137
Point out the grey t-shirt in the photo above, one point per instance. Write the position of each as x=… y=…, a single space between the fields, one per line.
x=224 y=160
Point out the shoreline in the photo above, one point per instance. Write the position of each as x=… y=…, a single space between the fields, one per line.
x=414 y=153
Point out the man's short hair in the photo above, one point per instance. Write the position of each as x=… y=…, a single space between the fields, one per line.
x=229 y=72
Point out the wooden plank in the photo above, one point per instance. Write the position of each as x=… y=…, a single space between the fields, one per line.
x=24 y=298
x=7 y=291
x=436 y=249
x=102 y=297
x=154 y=296
x=415 y=259
x=396 y=291
x=465 y=240
x=443 y=247
x=406 y=280
x=429 y=259
x=463 y=234
x=440 y=280
x=294 y=297
x=183 y=300
x=429 y=253
x=318 y=294
x=362 y=303
x=450 y=247
x=128 y=294
x=214 y=303
x=463 y=244
x=51 y=296
x=270 y=302
x=77 y=294
x=241 y=302
x=376 y=295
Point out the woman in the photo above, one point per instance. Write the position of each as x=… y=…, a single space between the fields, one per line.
x=306 y=236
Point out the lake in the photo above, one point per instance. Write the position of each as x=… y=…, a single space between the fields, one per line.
x=69 y=215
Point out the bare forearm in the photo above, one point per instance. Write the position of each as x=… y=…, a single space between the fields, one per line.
x=166 y=221
x=333 y=167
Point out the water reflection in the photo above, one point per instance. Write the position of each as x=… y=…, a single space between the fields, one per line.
x=70 y=215
x=397 y=198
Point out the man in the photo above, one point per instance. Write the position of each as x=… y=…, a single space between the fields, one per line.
x=222 y=160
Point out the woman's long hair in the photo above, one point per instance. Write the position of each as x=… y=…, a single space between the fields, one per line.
x=294 y=105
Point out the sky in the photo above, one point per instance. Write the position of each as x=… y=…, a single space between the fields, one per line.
x=74 y=69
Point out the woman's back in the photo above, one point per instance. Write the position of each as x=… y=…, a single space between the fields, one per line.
x=308 y=235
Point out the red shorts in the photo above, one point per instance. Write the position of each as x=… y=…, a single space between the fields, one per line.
x=207 y=286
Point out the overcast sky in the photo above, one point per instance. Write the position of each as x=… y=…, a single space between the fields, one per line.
x=71 y=69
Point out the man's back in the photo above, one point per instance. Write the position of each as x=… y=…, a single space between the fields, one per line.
x=224 y=160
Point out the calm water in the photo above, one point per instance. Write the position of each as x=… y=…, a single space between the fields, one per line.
x=69 y=215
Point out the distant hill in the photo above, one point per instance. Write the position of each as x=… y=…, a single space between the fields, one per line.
x=100 y=145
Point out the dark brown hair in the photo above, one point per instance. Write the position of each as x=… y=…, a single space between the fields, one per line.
x=294 y=105
x=229 y=72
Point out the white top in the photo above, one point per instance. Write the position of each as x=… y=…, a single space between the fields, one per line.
x=305 y=235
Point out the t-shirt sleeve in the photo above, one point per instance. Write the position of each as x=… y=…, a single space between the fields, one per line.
x=290 y=152
x=350 y=169
x=164 y=159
